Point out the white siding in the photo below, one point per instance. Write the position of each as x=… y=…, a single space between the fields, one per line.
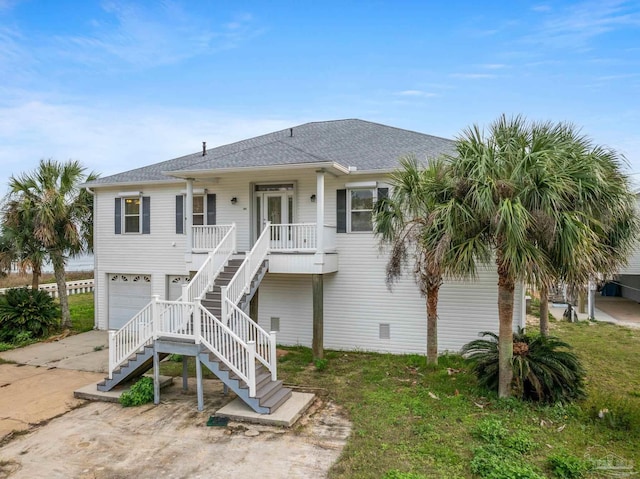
x=633 y=267
x=156 y=254
x=356 y=301
x=356 y=298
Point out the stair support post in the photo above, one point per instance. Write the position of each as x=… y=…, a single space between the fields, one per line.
x=199 y=384
x=273 y=356
x=197 y=321
x=252 y=368
x=155 y=317
x=112 y=352
x=156 y=376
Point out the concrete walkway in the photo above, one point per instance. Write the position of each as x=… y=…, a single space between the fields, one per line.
x=81 y=352
x=614 y=310
x=40 y=385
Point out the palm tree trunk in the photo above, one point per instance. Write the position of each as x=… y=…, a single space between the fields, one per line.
x=35 y=276
x=506 y=288
x=544 y=310
x=59 y=273
x=432 y=323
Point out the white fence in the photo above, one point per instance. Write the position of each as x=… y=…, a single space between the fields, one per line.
x=73 y=287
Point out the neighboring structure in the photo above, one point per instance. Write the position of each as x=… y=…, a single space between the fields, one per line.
x=629 y=277
x=309 y=191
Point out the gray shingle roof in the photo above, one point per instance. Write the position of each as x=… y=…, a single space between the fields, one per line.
x=365 y=145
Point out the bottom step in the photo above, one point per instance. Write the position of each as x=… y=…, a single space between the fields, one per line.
x=286 y=415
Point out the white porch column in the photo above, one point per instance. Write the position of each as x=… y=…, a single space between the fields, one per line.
x=320 y=213
x=189 y=222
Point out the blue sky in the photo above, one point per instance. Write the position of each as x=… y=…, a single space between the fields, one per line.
x=119 y=84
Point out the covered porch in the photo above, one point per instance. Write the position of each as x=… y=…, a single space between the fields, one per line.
x=286 y=206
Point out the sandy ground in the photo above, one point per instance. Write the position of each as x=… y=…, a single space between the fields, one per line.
x=46 y=432
x=101 y=440
x=30 y=395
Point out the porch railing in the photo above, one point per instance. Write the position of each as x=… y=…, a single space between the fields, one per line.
x=293 y=237
x=206 y=238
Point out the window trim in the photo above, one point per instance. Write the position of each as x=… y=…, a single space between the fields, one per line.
x=350 y=210
x=125 y=215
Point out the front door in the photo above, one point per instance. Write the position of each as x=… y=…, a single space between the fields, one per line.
x=274 y=203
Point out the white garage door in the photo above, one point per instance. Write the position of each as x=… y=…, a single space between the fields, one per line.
x=128 y=294
x=175 y=286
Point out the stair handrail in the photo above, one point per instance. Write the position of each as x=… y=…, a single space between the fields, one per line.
x=241 y=281
x=239 y=356
x=203 y=280
x=231 y=294
x=134 y=335
x=250 y=331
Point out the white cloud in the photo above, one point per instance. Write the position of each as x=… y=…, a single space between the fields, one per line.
x=493 y=66
x=473 y=76
x=110 y=141
x=576 y=25
x=161 y=35
x=416 y=93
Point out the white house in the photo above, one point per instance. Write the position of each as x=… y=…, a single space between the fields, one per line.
x=301 y=200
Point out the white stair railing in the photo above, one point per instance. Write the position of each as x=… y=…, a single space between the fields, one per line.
x=214 y=264
x=237 y=319
x=235 y=339
x=226 y=344
x=249 y=331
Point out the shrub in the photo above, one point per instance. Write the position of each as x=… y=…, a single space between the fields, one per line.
x=543 y=369
x=140 y=393
x=490 y=430
x=492 y=462
x=321 y=364
x=567 y=466
x=25 y=314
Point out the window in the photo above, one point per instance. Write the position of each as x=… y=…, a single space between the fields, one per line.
x=354 y=206
x=204 y=211
x=361 y=209
x=198 y=210
x=132 y=212
x=132 y=215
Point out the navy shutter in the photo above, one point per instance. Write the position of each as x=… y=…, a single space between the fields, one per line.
x=146 y=215
x=383 y=193
x=341 y=211
x=118 y=216
x=179 y=214
x=211 y=209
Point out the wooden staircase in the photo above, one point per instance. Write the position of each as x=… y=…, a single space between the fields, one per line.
x=135 y=367
x=269 y=395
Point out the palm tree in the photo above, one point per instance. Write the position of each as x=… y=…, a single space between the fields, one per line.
x=605 y=205
x=18 y=244
x=422 y=218
x=59 y=212
x=536 y=198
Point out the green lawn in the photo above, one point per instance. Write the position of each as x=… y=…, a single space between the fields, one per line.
x=82 y=312
x=410 y=418
x=398 y=424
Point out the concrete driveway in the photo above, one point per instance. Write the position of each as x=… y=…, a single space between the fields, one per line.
x=62 y=437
